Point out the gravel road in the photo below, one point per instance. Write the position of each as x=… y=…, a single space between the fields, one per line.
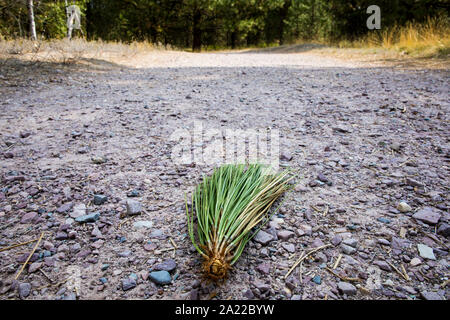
x=86 y=159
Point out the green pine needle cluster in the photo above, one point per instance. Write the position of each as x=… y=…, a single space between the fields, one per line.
x=228 y=205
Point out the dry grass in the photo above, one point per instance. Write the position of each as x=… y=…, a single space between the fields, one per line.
x=66 y=52
x=427 y=40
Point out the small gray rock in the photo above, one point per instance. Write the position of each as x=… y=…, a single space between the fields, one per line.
x=383 y=265
x=35 y=266
x=444 y=229
x=347 y=288
x=285 y=235
x=261 y=286
x=428 y=295
x=263 y=237
x=78 y=211
x=347 y=249
x=264 y=268
x=65 y=207
x=286 y=156
x=98 y=160
x=70 y=296
x=143 y=224
x=404 y=207
x=160 y=277
x=28 y=217
x=24 y=290
x=128 y=284
x=167 y=265
x=133 y=207
x=289 y=247
x=336 y=240
x=61 y=236
x=92 y=217
x=100 y=199
x=428 y=215
x=350 y=242
x=425 y=251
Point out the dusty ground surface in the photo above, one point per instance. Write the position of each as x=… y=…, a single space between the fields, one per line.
x=364 y=136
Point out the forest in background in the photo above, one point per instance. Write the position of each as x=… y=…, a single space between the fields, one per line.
x=215 y=24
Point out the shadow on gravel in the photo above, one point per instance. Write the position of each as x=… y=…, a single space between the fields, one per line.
x=30 y=66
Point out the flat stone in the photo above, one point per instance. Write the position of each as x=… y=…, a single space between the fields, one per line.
x=96 y=233
x=261 y=286
x=317 y=280
x=264 y=268
x=428 y=295
x=428 y=215
x=347 y=288
x=78 y=211
x=128 y=284
x=444 y=230
x=414 y=183
x=263 y=237
x=167 y=265
x=124 y=254
x=342 y=129
x=336 y=240
x=24 y=290
x=425 y=251
x=143 y=224
x=286 y=156
x=317 y=243
x=404 y=207
x=350 y=242
x=285 y=235
x=35 y=266
x=133 y=207
x=100 y=199
x=160 y=277
x=384 y=220
x=307 y=229
x=65 y=207
x=61 y=235
x=98 y=160
x=347 y=249
x=88 y=218
x=384 y=242
x=289 y=247
x=410 y=290
x=383 y=265
x=133 y=194
x=415 y=262
x=29 y=217
x=158 y=234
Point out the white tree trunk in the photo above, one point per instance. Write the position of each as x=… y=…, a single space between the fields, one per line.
x=32 y=23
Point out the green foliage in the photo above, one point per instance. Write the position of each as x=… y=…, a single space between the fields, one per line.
x=215 y=23
x=50 y=18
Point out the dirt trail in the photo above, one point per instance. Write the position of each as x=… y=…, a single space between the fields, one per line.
x=365 y=137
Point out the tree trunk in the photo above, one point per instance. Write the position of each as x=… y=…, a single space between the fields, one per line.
x=196 y=32
x=32 y=23
x=313 y=19
x=233 y=39
x=283 y=15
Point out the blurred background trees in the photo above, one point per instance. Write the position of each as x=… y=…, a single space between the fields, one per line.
x=214 y=24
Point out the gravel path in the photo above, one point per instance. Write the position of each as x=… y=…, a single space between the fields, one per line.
x=371 y=144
